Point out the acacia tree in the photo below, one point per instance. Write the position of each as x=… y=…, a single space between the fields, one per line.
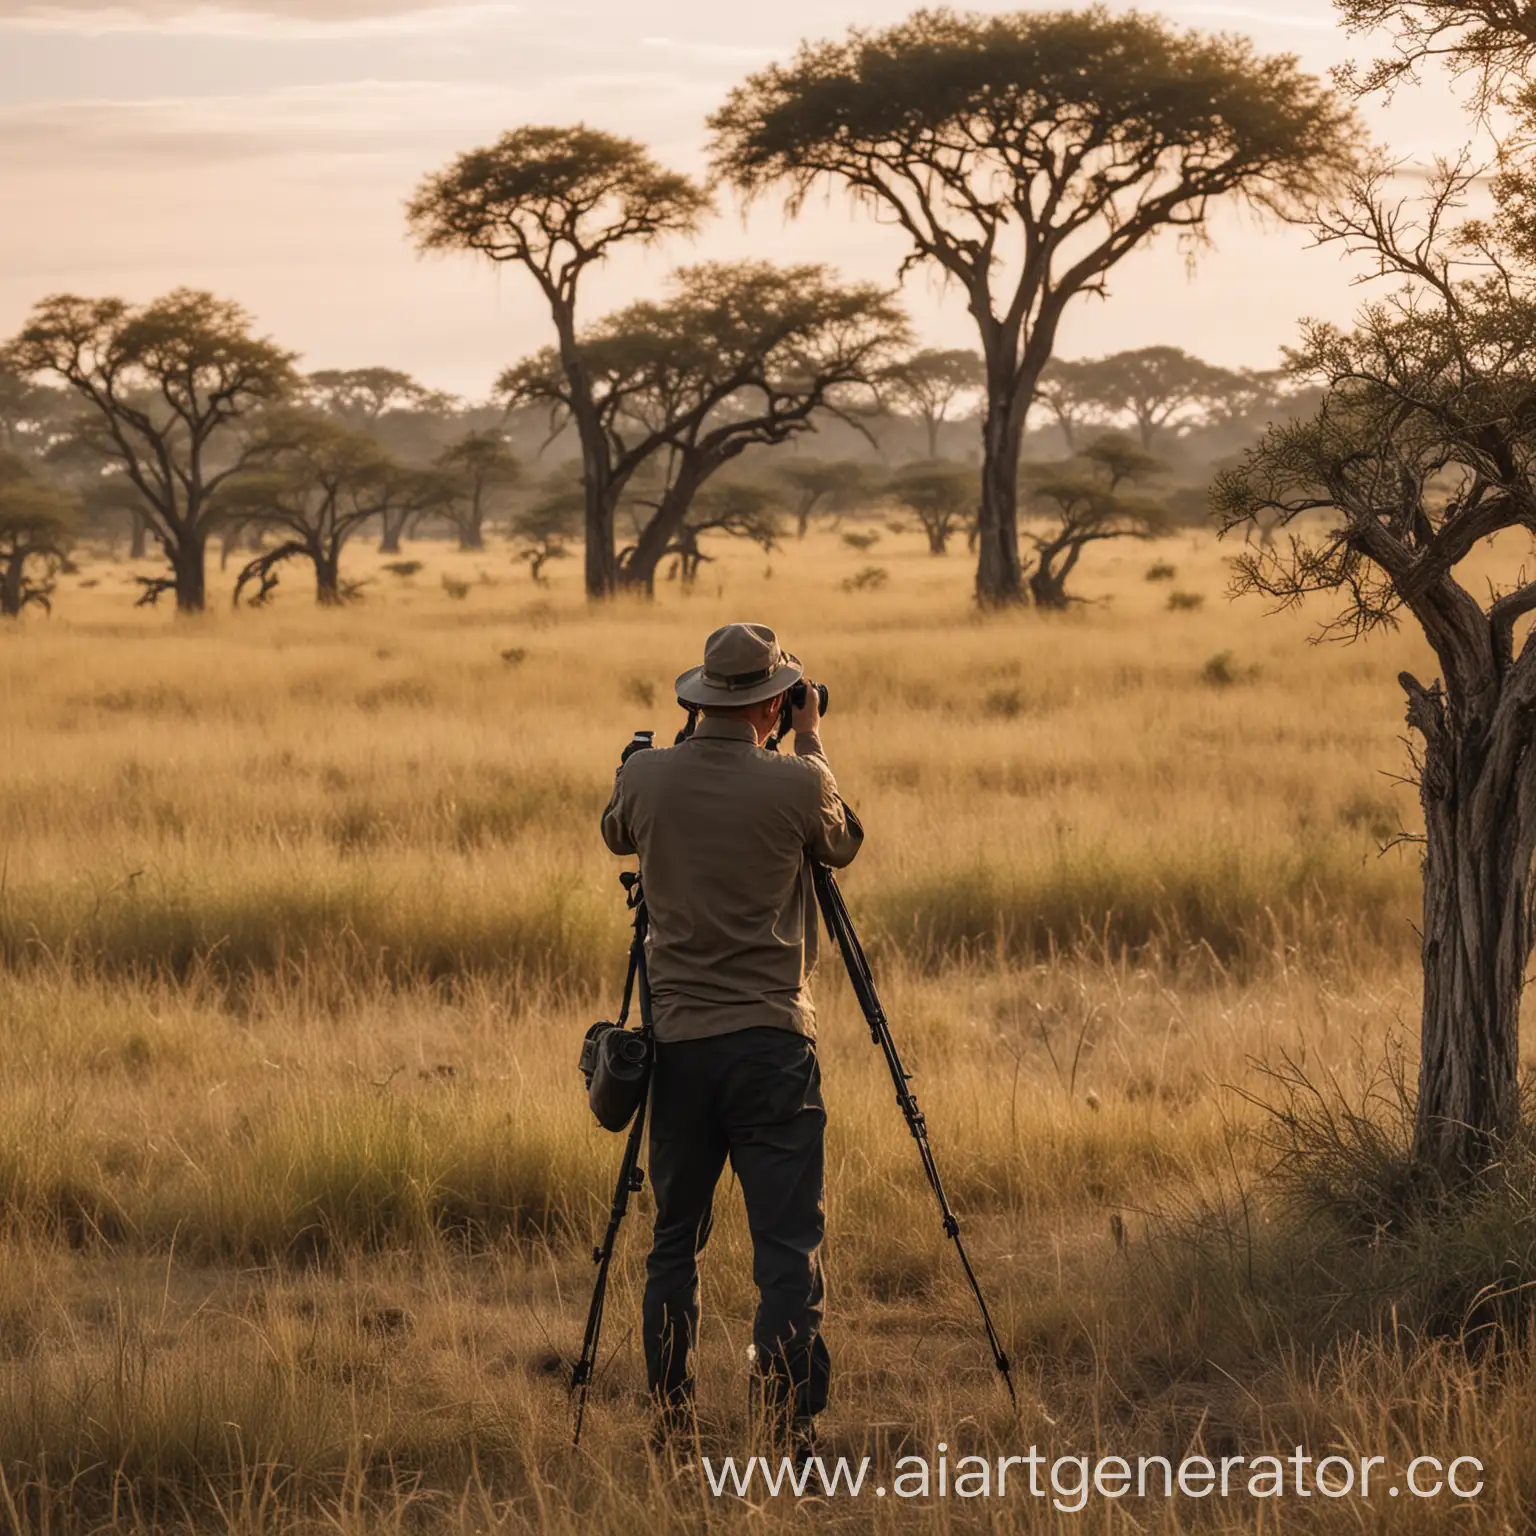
x=556 y=201
x=1153 y=385
x=36 y=519
x=319 y=484
x=1422 y=450
x=941 y=495
x=361 y=396
x=1244 y=392
x=1025 y=155
x=168 y=386
x=928 y=383
x=33 y=417
x=744 y=355
x=741 y=509
x=1492 y=40
x=821 y=485
x=1089 y=507
x=475 y=470
x=1070 y=388
x=544 y=527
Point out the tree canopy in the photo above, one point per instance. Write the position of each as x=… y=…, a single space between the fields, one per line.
x=1024 y=155
x=744 y=354
x=1088 y=505
x=318 y=483
x=942 y=496
x=1423 y=449
x=555 y=201
x=360 y=396
x=36 y=523
x=1155 y=386
x=475 y=469
x=1491 y=40
x=821 y=485
x=928 y=384
x=167 y=385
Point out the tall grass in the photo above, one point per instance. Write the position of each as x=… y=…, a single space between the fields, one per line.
x=302 y=916
x=378 y=795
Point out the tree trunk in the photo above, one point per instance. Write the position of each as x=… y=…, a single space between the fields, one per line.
x=138 y=537
x=639 y=570
x=638 y=573
x=328 y=579
x=600 y=559
x=11 y=574
x=999 y=576
x=601 y=566
x=472 y=530
x=1478 y=790
x=938 y=540
x=389 y=537
x=932 y=423
x=188 y=558
x=1048 y=588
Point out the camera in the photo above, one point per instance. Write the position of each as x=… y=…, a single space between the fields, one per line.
x=639 y=742
x=795 y=699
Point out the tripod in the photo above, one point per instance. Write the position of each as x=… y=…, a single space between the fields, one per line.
x=834 y=913
x=631 y=1175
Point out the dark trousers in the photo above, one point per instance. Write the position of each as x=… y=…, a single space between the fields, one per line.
x=755 y=1097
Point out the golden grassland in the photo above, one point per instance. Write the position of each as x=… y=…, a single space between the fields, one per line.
x=303 y=914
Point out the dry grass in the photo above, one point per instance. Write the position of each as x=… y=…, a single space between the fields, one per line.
x=303 y=914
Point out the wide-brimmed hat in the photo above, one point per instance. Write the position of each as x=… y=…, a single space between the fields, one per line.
x=742 y=665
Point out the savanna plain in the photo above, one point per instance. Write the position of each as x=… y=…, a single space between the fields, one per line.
x=303 y=914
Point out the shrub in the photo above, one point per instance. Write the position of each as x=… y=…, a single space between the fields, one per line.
x=1161 y=571
x=404 y=569
x=639 y=690
x=870 y=579
x=455 y=588
x=1351 y=1239
x=1003 y=703
x=1185 y=602
x=862 y=541
x=1222 y=671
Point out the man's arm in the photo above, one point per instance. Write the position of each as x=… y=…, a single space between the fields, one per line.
x=835 y=834
x=616 y=831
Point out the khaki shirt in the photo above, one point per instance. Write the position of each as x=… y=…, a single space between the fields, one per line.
x=726 y=832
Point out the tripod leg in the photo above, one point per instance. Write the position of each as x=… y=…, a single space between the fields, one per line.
x=631 y=1178
x=840 y=925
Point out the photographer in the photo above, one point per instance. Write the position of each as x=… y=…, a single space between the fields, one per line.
x=726 y=832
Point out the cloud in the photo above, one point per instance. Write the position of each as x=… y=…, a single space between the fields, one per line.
x=715 y=53
x=1308 y=21
x=364 y=117
x=266 y=18
x=419 y=122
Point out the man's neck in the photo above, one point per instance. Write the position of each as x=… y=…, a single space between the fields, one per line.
x=760 y=734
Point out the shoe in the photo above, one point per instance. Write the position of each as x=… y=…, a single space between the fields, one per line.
x=803 y=1445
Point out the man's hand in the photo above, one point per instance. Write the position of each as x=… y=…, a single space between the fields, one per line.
x=807 y=716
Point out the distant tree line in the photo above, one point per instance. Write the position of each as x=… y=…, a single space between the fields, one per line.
x=1022 y=156
x=177 y=425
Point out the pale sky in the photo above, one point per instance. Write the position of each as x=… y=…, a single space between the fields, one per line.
x=265 y=150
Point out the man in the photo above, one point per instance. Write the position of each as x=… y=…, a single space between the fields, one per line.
x=726 y=832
